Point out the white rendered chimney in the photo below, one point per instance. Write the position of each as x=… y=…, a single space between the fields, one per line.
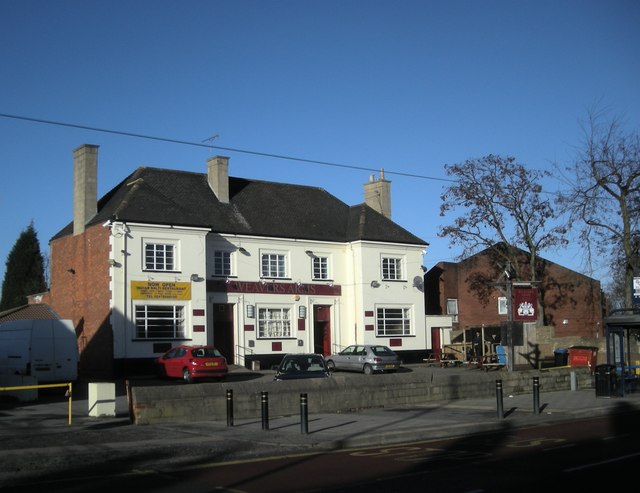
x=377 y=194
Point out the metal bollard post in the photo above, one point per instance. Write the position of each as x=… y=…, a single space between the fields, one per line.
x=265 y=410
x=499 y=398
x=304 y=414
x=229 y=407
x=536 y=395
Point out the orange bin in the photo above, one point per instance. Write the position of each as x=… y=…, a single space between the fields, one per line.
x=583 y=356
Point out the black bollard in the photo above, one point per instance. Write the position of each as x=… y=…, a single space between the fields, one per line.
x=229 y=407
x=265 y=410
x=499 y=399
x=304 y=414
x=536 y=395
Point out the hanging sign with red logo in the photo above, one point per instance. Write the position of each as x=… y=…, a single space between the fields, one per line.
x=525 y=304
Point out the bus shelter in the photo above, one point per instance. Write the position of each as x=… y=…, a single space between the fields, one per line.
x=622 y=333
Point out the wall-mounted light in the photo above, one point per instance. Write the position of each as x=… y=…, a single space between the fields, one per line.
x=251 y=311
x=302 y=311
x=310 y=253
x=112 y=262
x=243 y=250
x=196 y=278
x=375 y=284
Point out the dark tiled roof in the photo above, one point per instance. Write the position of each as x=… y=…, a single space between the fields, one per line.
x=38 y=311
x=257 y=208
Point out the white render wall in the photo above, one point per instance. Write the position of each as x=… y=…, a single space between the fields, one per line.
x=127 y=253
x=353 y=266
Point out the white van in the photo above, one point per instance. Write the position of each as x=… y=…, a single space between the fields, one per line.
x=44 y=349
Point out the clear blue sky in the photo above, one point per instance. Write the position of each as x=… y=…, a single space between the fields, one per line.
x=407 y=86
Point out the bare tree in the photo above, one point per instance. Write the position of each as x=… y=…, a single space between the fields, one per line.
x=603 y=197
x=504 y=210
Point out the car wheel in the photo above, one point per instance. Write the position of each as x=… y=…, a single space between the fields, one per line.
x=368 y=370
x=186 y=376
x=331 y=366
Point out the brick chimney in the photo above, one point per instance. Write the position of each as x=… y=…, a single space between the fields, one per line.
x=85 y=186
x=218 y=177
x=377 y=194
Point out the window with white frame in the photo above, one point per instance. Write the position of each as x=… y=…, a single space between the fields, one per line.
x=393 y=321
x=274 y=322
x=502 y=305
x=160 y=322
x=391 y=268
x=320 y=267
x=452 y=309
x=221 y=263
x=160 y=256
x=273 y=265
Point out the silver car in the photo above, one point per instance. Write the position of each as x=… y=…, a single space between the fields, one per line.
x=366 y=358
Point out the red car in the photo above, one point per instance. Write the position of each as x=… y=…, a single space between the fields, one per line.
x=192 y=362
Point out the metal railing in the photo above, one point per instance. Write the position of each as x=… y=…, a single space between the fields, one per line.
x=68 y=394
x=241 y=353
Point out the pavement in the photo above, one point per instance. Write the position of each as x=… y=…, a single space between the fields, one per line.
x=42 y=434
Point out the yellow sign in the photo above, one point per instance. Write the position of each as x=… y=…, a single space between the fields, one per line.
x=152 y=290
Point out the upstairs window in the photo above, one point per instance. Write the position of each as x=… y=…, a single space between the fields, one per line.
x=391 y=268
x=452 y=309
x=274 y=265
x=159 y=256
x=320 y=268
x=503 y=309
x=221 y=263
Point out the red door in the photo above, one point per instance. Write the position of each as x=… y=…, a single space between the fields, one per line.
x=322 y=329
x=223 y=329
x=436 y=343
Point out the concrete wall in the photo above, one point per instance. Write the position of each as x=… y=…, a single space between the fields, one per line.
x=208 y=401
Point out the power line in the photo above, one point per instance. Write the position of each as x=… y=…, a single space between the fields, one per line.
x=209 y=146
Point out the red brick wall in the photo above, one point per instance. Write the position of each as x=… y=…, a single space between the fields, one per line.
x=80 y=292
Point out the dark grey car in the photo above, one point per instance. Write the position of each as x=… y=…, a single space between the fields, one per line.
x=366 y=358
x=297 y=366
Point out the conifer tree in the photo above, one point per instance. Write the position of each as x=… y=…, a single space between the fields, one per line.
x=24 y=274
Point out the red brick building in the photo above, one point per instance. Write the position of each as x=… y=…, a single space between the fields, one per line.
x=475 y=292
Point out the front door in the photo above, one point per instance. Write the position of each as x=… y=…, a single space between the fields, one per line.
x=436 y=343
x=223 y=330
x=322 y=329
